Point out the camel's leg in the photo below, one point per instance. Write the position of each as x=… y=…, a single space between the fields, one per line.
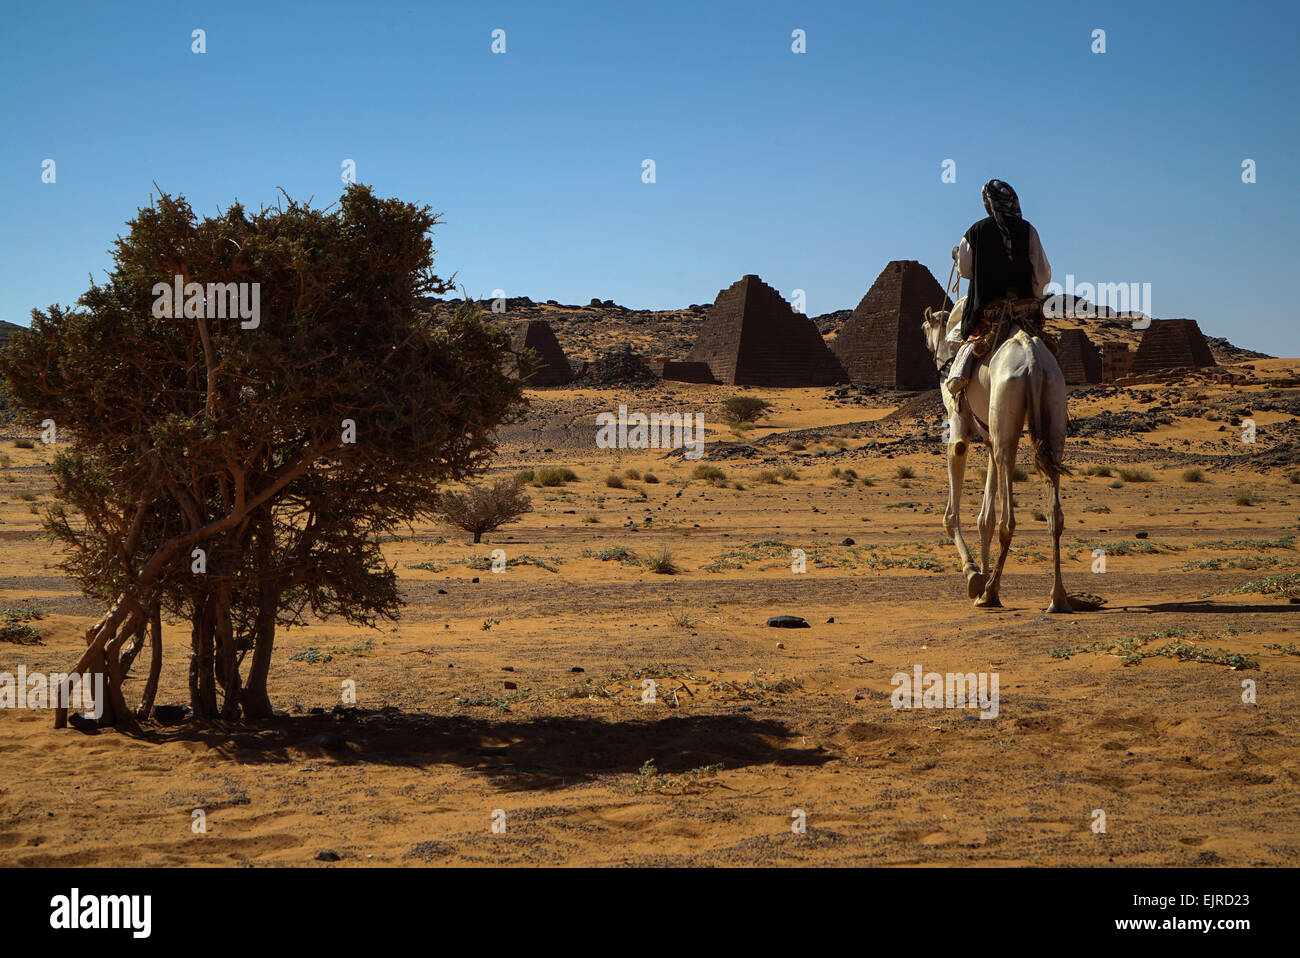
x=952 y=515
x=986 y=520
x=1005 y=453
x=1056 y=525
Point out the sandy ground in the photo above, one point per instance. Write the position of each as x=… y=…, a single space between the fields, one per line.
x=522 y=694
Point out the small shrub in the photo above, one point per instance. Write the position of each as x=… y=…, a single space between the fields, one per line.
x=1245 y=497
x=555 y=477
x=796 y=445
x=769 y=477
x=787 y=472
x=1194 y=474
x=481 y=509
x=1019 y=473
x=1115 y=485
x=744 y=409
x=633 y=474
x=650 y=478
x=709 y=474
x=526 y=475
x=24 y=444
x=1098 y=471
x=905 y=472
x=1136 y=475
x=662 y=562
x=615 y=481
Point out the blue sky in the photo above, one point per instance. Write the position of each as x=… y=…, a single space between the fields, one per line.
x=812 y=170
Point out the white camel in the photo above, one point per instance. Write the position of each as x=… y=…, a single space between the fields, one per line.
x=1019 y=382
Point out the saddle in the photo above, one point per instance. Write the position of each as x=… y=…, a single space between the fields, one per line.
x=1008 y=315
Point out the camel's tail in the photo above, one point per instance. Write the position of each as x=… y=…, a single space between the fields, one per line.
x=1047 y=425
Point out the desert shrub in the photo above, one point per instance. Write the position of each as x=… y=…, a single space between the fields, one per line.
x=555 y=477
x=744 y=409
x=905 y=472
x=662 y=562
x=787 y=472
x=1098 y=471
x=615 y=481
x=481 y=509
x=1117 y=484
x=1245 y=496
x=24 y=444
x=1193 y=474
x=769 y=477
x=796 y=445
x=526 y=475
x=651 y=478
x=835 y=442
x=631 y=474
x=709 y=474
x=1136 y=475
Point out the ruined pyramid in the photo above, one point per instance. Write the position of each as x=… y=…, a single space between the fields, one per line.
x=752 y=337
x=881 y=343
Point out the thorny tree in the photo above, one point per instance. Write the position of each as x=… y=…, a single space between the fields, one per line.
x=239 y=474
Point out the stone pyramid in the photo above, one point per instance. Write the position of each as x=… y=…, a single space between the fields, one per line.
x=752 y=337
x=537 y=335
x=881 y=344
x=1080 y=360
x=1171 y=344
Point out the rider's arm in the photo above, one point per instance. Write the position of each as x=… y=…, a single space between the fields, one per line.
x=1038 y=259
x=964 y=259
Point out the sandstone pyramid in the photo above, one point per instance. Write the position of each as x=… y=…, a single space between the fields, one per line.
x=537 y=335
x=752 y=337
x=1080 y=360
x=881 y=343
x=1171 y=344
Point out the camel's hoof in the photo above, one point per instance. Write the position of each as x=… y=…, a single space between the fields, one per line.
x=1060 y=606
x=988 y=602
x=975 y=583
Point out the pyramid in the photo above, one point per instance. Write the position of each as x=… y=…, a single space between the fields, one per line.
x=1171 y=344
x=1079 y=358
x=752 y=337
x=881 y=344
x=537 y=335
x=1116 y=361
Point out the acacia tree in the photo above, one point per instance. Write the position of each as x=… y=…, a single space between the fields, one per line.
x=238 y=469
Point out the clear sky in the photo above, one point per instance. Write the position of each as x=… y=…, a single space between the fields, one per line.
x=812 y=170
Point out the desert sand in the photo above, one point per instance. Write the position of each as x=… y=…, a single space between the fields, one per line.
x=522 y=691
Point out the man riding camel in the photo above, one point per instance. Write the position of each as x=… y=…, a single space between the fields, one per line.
x=1002 y=257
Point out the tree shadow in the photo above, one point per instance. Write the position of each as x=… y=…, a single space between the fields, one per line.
x=517 y=754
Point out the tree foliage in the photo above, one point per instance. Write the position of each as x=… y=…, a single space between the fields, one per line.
x=283 y=448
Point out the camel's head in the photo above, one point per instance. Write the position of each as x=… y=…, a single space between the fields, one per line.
x=935 y=328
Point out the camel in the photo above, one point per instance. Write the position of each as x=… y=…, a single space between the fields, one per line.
x=1019 y=381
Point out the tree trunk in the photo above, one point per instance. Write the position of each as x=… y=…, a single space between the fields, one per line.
x=155 y=664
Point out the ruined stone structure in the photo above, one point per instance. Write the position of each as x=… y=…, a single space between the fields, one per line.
x=752 y=337
x=881 y=344
x=1116 y=361
x=537 y=335
x=1171 y=344
x=684 y=372
x=1079 y=358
